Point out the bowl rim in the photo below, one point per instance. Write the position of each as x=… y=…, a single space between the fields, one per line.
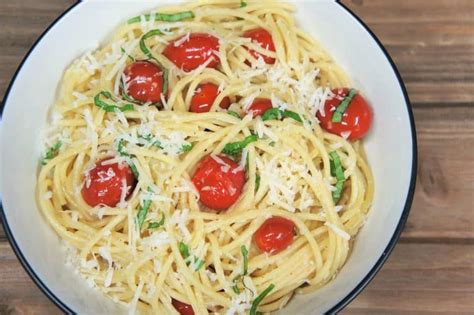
x=339 y=305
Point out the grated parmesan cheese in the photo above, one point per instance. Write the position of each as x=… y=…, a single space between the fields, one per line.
x=338 y=231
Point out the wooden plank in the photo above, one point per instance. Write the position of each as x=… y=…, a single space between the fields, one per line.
x=432 y=43
x=416 y=278
x=421 y=279
x=18 y=293
x=443 y=202
x=22 y=22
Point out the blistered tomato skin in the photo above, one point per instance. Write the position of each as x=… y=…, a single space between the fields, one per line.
x=356 y=120
x=260 y=106
x=275 y=235
x=190 y=54
x=205 y=96
x=219 y=181
x=104 y=183
x=182 y=308
x=264 y=39
x=144 y=81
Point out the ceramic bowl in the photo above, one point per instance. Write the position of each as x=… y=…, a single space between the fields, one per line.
x=390 y=146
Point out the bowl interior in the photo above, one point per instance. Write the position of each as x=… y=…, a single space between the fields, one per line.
x=389 y=144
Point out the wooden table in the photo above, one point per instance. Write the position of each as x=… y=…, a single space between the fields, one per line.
x=432 y=41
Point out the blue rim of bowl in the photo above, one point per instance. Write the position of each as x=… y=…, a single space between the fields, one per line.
x=342 y=303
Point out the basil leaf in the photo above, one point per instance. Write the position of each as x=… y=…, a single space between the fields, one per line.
x=257 y=182
x=164 y=17
x=142 y=212
x=259 y=298
x=148 y=53
x=184 y=250
x=235 y=148
x=186 y=148
x=337 y=116
x=199 y=264
x=243 y=4
x=272 y=114
x=292 y=115
x=338 y=172
x=52 y=152
x=124 y=52
x=110 y=108
x=232 y=113
x=277 y=114
x=154 y=225
x=245 y=255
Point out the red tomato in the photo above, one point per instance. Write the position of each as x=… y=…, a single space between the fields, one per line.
x=193 y=52
x=219 y=181
x=103 y=184
x=275 y=235
x=144 y=81
x=260 y=106
x=182 y=308
x=205 y=96
x=356 y=120
x=264 y=39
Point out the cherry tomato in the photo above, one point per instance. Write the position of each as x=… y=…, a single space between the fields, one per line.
x=264 y=39
x=205 y=96
x=219 y=181
x=144 y=81
x=104 y=183
x=275 y=235
x=356 y=120
x=193 y=52
x=182 y=308
x=260 y=106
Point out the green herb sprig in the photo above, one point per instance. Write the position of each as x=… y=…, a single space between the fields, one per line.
x=338 y=172
x=52 y=152
x=155 y=225
x=184 y=250
x=277 y=114
x=259 y=298
x=144 y=48
x=164 y=17
x=234 y=148
x=342 y=107
x=110 y=108
x=143 y=211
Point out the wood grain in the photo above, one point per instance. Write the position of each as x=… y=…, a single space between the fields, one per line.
x=432 y=42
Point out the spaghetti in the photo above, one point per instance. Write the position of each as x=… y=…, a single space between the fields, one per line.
x=127 y=180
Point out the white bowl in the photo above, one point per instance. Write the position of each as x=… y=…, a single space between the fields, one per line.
x=391 y=148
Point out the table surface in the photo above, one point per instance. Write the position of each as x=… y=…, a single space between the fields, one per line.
x=432 y=42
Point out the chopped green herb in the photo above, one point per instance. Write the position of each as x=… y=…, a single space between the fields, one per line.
x=142 y=212
x=257 y=182
x=235 y=148
x=245 y=255
x=338 y=172
x=134 y=169
x=292 y=115
x=184 y=250
x=52 y=152
x=232 y=113
x=121 y=148
x=186 y=147
x=277 y=114
x=122 y=152
x=259 y=298
x=164 y=17
x=341 y=108
x=272 y=114
x=235 y=287
x=108 y=107
x=154 y=225
x=124 y=52
x=198 y=265
x=148 y=53
x=272 y=143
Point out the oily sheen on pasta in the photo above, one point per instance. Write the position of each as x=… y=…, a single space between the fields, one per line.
x=194 y=164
